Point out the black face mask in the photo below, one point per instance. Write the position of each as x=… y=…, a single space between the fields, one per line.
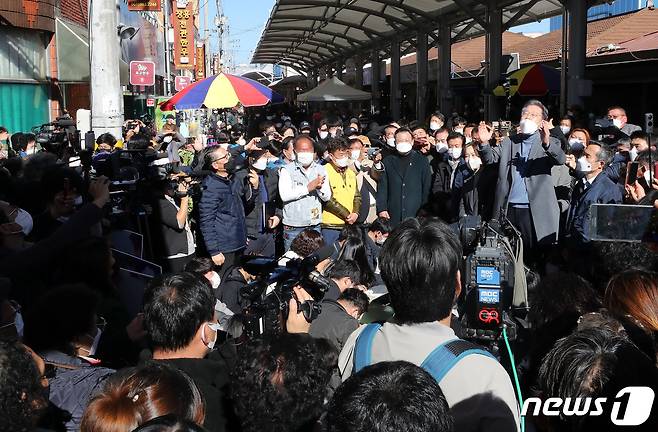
x=230 y=166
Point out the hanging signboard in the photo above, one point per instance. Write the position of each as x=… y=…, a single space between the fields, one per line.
x=200 y=72
x=180 y=82
x=142 y=73
x=145 y=5
x=183 y=20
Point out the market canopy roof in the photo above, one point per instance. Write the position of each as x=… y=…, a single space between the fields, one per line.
x=304 y=34
x=334 y=90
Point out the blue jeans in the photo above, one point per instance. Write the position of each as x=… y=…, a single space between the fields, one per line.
x=290 y=232
x=330 y=235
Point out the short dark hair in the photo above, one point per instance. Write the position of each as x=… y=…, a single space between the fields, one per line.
x=459 y=120
x=22 y=396
x=200 y=266
x=640 y=135
x=381 y=224
x=279 y=383
x=456 y=135
x=175 y=306
x=18 y=142
x=438 y=115
x=403 y=130
x=106 y=138
x=337 y=144
x=52 y=182
x=537 y=103
x=169 y=423
x=357 y=298
x=345 y=268
x=389 y=397
x=307 y=242
x=419 y=263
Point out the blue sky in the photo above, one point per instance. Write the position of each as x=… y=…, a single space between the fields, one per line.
x=248 y=17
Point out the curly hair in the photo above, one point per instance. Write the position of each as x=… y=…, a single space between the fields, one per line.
x=22 y=397
x=307 y=242
x=279 y=384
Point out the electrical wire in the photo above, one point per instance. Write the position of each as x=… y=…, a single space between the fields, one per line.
x=516 y=377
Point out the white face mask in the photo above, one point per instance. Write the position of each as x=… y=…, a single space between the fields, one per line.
x=260 y=164
x=616 y=123
x=469 y=140
x=528 y=127
x=390 y=142
x=215 y=280
x=210 y=344
x=167 y=139
x=224 y=146
x=474 y=163
x=355 y=154
x=24 y=219
x=632 y=153
x=647 y=177
x=565 y=129
x=242 y=141
x=435 y=126
x=459 y=130
x=455 y=152
x=342 y=162
x=583 y=166
x=403 y=147
x=323 y=134
x=441 y=147
x=576 y=145
x=381 y=240
x=305 y=158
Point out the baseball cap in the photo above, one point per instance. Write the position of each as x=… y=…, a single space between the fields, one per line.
x=304 y=125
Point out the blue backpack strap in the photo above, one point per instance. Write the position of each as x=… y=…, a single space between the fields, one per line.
x=363 y=346
x=439 y=362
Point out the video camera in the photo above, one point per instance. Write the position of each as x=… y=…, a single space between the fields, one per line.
x=59 y=137
x=491 y=287
x=269 y=295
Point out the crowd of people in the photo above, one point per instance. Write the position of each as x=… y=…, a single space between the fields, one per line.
x=376 y=210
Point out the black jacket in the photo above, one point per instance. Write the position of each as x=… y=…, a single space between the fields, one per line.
x=333 y=324
x=169 y=239
x=253 y=209
x=210 y=374
x=229 y=290
x=472 y=193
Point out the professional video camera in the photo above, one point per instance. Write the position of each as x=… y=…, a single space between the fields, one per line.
x=495 y=291
x=269 y=295
x=59 y=137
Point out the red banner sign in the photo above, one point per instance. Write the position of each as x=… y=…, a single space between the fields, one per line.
x=183 y=19
x=144 y=5
x=150 y=102
x=200 y=71
x=180 y=82
x=142 y=73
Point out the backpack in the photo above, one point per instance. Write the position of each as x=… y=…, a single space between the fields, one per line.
x=438 y=363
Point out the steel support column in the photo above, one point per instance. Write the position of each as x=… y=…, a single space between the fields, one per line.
x=358 y=72
x=340 y=64
x=444 y=69
x=421 y=75
x=576 y=53
x=494 y=52
x=374 y=80
x=395 y=80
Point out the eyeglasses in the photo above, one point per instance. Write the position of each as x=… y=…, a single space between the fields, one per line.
x=226 y=156
x=527 y=115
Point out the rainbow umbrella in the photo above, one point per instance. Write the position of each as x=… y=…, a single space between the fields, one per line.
x=534 y=80
x=222 y=91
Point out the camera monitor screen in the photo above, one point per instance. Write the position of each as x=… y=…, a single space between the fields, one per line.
x=487 y=276
x=619 y=222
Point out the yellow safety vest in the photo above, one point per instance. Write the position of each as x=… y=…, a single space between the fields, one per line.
x=343 y=190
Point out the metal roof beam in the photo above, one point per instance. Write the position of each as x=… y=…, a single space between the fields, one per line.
x=469 y=9
x=350 y=39
x=521 y=12
x=348 y=6
x=307 y=42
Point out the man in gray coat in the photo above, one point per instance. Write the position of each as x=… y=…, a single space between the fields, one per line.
x=525 y=193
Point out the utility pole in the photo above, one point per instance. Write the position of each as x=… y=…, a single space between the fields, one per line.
x=167 y=53
x=105 y=83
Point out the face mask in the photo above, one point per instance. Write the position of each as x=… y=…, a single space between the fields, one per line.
x=390 y=142
x=241 y=141
x=19 y=324
x=380 y=241
x=224 y=146
x=469 y=140
x=403 y=147
x=355 y=154
x=441 y=147
x=323 y=134
x=210 y=344
x=528 y=127
x=24 y=219
x=647 y=177
x=565 y=129
x=632 y=153
x=342 y=162
x=455 y=152
x=230 y=166
x=474 y=163
x=167 y=139
x=78 y=201
x=260 y=164
x=459 y=130
x=616 y=123
x=583 y=166
x=435 y=126
x=215 y=280
x=94 y=344
x=576 y=145
x=305 y=158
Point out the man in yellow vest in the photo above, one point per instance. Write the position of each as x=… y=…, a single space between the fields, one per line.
x=342 y=209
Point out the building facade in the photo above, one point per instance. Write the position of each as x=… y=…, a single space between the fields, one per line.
x=603 y=11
